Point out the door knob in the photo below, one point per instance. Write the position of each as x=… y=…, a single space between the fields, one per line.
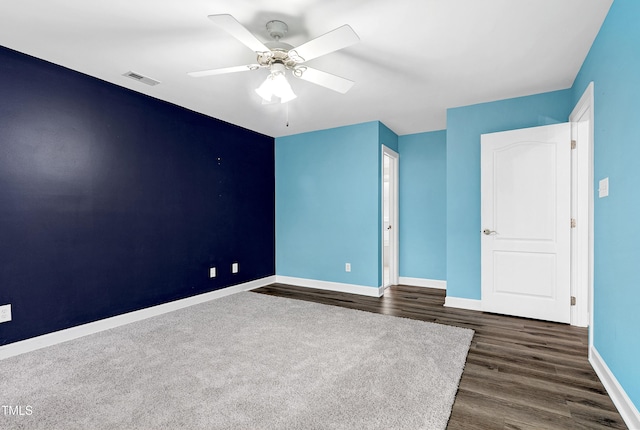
x=489 y=232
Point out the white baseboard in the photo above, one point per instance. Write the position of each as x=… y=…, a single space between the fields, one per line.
x=331 y=286
x=422 y=282
x=625 y=406
x=54 y=338
x=462 y=303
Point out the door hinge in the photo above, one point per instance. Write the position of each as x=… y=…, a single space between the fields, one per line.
x=573 y=223
x=573 y=144
x=573 y=300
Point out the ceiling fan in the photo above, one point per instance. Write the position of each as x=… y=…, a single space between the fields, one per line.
x=279 y=57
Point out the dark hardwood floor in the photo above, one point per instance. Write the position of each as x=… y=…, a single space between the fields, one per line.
x=520 y=373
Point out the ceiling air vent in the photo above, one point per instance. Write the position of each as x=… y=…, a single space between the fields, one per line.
x=140 y=78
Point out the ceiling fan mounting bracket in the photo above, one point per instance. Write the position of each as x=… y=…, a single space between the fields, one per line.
x=277 y=29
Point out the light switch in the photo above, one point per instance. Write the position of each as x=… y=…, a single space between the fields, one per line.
x=603 y=188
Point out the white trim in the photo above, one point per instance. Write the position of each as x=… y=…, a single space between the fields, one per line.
x=422 y=282
x=362 y=290
x=394 y=221
x=462 y=303
x=65 y=335
x=620 y=399
x=582 y=130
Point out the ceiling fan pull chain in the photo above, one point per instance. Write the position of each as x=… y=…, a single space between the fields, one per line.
x=287 y=107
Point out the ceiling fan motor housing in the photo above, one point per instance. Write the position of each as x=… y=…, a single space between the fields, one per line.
x=276 y=55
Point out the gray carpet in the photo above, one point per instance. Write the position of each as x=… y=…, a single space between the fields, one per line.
x=246 y=361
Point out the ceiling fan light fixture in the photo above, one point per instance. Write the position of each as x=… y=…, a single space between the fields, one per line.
x=282 y=88
x=277 y=85
x=265 y=90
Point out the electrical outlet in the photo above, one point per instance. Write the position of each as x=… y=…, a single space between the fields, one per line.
x=5 y=313
x=347 y=267
x=212 y=272
x=234 y=268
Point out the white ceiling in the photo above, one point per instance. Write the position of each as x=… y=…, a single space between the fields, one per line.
x=416 y=58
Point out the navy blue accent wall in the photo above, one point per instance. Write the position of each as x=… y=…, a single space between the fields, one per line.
x=112 y=201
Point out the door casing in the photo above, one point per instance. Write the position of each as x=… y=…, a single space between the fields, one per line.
x=582 y=132
x=393 y=257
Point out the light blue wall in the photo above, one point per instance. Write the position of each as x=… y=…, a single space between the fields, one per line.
x=464 y=127
x=423 y=200
x=328 y=204
x=387 y=137
x=613 y=64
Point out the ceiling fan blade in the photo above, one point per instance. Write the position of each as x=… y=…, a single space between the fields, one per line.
x=324 y=79
x=332 y=41
x=223 y=71
x=237 y=30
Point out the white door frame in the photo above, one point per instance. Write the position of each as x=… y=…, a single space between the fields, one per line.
x=393 y=217
x=581 y=119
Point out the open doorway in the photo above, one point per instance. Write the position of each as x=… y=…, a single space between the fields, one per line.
x=389 y=217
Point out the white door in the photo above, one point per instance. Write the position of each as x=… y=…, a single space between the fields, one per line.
x=389 y=217
x=526 y=222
